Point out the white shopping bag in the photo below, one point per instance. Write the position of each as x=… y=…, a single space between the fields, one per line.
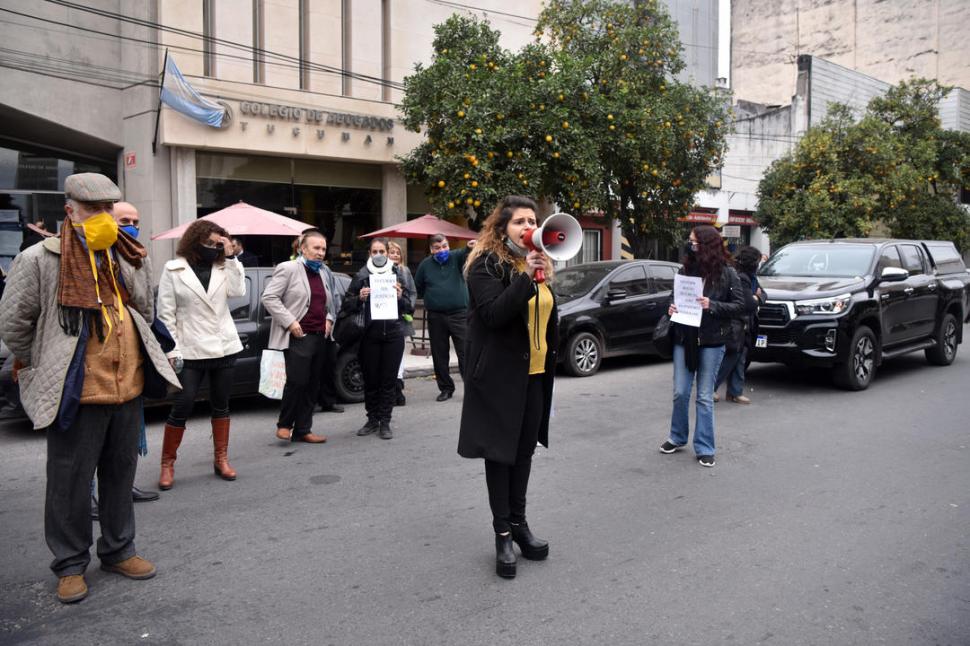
x=272 y=374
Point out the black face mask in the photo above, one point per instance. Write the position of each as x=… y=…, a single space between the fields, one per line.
x=689 y=250
x=208 y=254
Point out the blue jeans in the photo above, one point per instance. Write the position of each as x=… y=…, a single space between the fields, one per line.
x=708 y=364
x=732 y=371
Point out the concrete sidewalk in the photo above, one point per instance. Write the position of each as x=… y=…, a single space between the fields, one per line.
x=422 y=366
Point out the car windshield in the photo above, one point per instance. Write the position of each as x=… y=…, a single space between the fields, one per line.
x=574 y=282
x=837 y=260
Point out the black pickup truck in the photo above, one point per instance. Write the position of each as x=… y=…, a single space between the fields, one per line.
x=850 y=304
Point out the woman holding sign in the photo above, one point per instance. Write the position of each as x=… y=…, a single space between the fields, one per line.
x=511 y=352
x=699 y=344
x=378 y=290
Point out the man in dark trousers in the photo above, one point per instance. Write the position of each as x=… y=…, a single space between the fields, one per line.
x=76 y=316
x=440 y=281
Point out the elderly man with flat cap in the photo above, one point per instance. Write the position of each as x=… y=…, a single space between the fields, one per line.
x=76 y=315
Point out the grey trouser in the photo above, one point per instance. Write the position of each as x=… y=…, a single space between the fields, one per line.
x=102 y=438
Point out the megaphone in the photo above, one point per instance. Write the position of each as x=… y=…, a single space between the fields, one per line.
x=560 y=237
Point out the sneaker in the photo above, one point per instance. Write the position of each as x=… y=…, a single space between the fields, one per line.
x=706 y=460
x=670 y=447
x=368 y=428
x=134 y=568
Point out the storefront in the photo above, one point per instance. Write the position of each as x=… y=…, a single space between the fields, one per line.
x=32 y=192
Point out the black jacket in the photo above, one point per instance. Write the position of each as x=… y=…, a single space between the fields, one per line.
x=352 y=303
x=497 y=362
x=727 y=302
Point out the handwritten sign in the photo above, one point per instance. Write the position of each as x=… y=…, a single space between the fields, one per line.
x=687 y=289
x=383 y=297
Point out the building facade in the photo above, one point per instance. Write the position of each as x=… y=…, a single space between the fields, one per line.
x=889 y=41
x=310 y=88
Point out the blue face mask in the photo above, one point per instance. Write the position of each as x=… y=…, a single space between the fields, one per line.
x=314 y=265
x=130 y=229
x=442 y=256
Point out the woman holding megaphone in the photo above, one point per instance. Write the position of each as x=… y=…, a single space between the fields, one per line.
x=511 y=352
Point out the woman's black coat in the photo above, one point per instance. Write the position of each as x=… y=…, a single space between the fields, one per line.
x=727 y=302
x=352 y=303
x=497 y=362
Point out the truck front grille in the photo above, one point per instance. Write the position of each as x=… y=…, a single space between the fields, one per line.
x=773 y=315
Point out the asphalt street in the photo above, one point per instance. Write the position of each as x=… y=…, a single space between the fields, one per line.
x=830 y=518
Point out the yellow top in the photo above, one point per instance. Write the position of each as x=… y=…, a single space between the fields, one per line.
x=537 y=338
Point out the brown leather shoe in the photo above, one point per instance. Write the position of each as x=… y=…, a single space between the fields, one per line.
x=311 y=438
x=285 y=434
x=740 y=399
x=134 y=568
x=71 y=588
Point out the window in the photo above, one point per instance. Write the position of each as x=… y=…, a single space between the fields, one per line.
x=590 y=251
x=912 y=259
x=304 y=37
x=889 y=258
x=208 y=33
x=259 y=43
x=663 y=279
x=240 y=306
x=633 y=280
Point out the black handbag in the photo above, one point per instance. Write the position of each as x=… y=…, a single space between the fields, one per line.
x=349 y=327
x=663 y=341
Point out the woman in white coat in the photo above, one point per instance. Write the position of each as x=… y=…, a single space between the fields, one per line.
x=192 y=303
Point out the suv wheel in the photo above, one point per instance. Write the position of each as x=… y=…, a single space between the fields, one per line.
x=348 y=378
x=857 y=372
x=945 y=350
x=584 y=353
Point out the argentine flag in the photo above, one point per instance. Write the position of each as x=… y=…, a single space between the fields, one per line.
x=182 y=97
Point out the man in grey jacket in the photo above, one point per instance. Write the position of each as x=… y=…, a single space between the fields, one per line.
x=303 y=300
x=76 y=316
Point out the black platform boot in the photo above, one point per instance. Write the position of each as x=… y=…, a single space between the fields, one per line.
x=533 y=548
x=504 y=556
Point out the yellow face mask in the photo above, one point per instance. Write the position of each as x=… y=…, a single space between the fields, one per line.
x=100 y=231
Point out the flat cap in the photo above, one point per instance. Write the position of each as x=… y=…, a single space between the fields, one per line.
x=91 y=187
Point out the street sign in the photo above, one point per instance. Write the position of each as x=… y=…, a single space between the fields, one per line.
x=731 y=231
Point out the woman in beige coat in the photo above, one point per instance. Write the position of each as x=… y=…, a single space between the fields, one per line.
x=193 y=304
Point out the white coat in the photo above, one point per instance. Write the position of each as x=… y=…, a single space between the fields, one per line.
x=199 y=320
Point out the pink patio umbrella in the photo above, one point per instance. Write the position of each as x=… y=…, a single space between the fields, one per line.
x=423 y=227
x=245 y=220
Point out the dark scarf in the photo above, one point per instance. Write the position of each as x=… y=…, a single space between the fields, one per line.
x=76 y=293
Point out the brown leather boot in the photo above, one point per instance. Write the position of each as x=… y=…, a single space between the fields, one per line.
x=220 y=443
x=170 y=447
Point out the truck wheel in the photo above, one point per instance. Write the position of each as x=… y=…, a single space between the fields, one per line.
x=945 y=350
x=348 y=378
x=857 y=372
x=584 y=353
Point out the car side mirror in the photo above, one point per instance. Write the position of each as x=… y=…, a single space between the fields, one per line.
x=616 y=294
x=893 y=275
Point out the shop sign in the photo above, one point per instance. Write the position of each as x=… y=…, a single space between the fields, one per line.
x=309 y=116
x=741 y=218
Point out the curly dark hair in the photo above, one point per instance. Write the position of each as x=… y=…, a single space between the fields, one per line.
x=197 y=233
x=711 y=256
x=746 y=260
x=491 y=239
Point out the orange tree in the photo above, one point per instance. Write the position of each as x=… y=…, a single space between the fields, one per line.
x=589 y=116
x=894 y=165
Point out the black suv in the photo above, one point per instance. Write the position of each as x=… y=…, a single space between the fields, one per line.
x=850 y=304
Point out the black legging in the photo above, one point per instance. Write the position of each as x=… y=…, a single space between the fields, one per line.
x=220 y=385
x=508 y=484
x=380 y=356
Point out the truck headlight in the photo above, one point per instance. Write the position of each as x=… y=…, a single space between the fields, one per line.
x=833 y=305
